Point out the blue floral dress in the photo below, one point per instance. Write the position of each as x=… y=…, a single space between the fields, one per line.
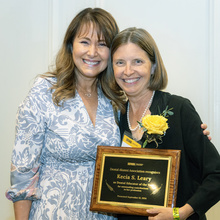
x=54 y=156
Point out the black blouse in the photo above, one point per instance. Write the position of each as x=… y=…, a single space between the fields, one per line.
x=199 y=174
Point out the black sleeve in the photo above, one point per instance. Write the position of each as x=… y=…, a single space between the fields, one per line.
x=203 y=160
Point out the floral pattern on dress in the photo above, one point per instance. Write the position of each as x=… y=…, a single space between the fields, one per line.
x=53 y=160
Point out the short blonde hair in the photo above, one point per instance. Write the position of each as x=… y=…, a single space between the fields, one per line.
x=144 y=40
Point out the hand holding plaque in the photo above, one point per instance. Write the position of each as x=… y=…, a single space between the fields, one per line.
x=129 y=181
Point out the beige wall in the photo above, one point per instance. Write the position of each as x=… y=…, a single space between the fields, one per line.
x=186 y=32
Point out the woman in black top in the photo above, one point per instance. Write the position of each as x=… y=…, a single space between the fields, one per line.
x=139 y=72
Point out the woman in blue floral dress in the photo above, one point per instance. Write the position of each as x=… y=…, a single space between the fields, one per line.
x=61 y=122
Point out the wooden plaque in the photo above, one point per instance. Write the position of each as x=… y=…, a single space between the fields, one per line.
x=131 y=180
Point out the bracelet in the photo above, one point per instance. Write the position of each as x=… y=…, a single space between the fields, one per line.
x=176 y=214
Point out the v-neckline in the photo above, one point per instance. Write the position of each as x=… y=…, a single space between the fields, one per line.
x=96 y=115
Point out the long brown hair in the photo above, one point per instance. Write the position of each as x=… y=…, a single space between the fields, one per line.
x=105 y=25
x=144 y=40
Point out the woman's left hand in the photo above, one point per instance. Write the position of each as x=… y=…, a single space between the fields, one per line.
x=160 y=214
x=206 y=132
x=167 y=213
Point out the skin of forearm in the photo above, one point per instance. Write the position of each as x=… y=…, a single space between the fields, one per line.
x=22 y=209
x=185 y=211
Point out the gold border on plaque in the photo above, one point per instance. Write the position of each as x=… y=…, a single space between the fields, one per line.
x=153 y=157
x=171 y=156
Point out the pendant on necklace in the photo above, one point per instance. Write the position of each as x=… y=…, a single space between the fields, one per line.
x=88 y=94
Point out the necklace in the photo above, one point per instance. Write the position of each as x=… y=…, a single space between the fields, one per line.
x=86 y=93
x=148 y=105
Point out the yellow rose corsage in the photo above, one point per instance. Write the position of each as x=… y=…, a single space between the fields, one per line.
x=155 y=126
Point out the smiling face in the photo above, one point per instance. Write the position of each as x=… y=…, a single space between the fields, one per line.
x=132 y=69
x=90 y=54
